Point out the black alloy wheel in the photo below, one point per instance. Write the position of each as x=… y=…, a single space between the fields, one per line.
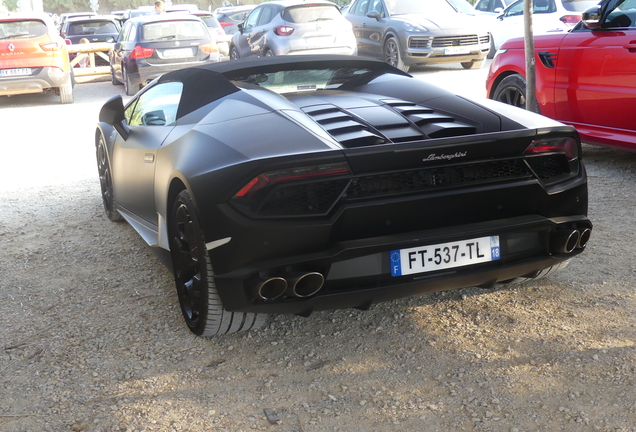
x=392 y=54
x=512 y=91
x=201 y=305
x=105 y=180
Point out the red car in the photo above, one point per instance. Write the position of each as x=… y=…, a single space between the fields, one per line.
x=585 y=78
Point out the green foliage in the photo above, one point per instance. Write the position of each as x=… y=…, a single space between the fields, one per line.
x=107 y=6
x=11 y=5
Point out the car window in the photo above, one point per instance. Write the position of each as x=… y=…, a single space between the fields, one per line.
x=23 y=29
x=360 y=8
x=126 y=33
x=157 y=106
x=376 y=5
x=267 y=14
x=305 y=13
x=622 y=16
x=170 y=30
x=430 y=7
x=90 y=28
x=544 y=6
x=578 y=5
x=482 y=5
x=252 y=18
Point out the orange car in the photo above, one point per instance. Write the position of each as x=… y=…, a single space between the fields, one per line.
x=33 y=57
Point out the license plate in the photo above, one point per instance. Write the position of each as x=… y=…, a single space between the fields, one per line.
x=177 y=53
x=456 y=50
x=444 y=256
x=15 y=72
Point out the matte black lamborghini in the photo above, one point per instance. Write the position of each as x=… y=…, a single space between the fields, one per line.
x=296 y=184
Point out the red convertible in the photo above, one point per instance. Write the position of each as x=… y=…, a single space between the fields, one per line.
x=585 y=78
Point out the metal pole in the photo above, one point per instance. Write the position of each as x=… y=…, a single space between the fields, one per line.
x=531 y=100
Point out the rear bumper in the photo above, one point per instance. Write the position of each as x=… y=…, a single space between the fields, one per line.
x=147 y=72
x=358 y=273
x=40 y=80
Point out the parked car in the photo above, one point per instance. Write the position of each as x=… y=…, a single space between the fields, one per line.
x=63 y=17
x=463 y=6
x=216 y=30
x=584 y=78
x=547 y=16
x=491 y=7
x=293 y=27
x=95 y=29
x=298 y=184
x=33 y=57
x=406 y=33
x=230 y=17
x=151 y=45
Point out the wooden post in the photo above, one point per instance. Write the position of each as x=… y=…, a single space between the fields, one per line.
x=531 y=99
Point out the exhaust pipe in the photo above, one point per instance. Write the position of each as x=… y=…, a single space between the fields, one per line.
x=304 y=284
x=584 y=237
x=270 y=289
x=563 y=241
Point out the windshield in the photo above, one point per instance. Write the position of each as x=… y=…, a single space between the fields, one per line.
x=303 y=80
x=23 y=29
x=428 y=7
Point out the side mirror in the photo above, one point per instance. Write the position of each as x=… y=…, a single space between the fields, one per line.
x=591 y=18
x=374 y=14
x=498 y=10
x=239 y=26
x=112 y=113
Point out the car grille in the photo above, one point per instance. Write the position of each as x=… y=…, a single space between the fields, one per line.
x=318 y=198
x=431 y=178
x=420 y=42
x=452 y=41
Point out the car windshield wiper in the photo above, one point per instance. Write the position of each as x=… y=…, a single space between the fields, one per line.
x=166 y=38
x=323 y=19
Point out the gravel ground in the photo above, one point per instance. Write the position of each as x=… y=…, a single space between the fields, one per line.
x=92 y=339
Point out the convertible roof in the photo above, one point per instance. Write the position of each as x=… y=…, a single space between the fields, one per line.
x=205 y=84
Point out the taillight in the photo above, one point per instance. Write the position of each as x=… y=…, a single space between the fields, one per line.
x=68 y=42
x=51 y=46
x=141 y=52
x=209 y=48
x=225 y=24
x=570 y=19
x=567 y=145
x=284 y=30
x=291 y=175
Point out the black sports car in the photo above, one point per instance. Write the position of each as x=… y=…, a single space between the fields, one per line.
x=296 y=184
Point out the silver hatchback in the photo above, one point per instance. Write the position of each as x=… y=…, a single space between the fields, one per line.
x=293 y=27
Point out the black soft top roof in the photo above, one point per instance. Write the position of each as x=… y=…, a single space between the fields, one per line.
x=205 y=84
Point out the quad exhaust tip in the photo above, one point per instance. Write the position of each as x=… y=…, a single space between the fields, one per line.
x=270 y=289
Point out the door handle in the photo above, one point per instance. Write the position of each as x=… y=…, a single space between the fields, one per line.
x=631 y=46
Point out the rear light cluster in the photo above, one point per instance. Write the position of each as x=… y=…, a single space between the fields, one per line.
x=209 y=48
x=570 y=19
x=141 y=52
x=301 y=191
x=284 y=30
x=51 y=46
x=553 y=159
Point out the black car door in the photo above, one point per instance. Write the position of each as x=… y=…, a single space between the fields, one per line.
x=151 y=117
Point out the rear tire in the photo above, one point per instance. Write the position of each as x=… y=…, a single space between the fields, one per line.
x=129 y=87
x=66 y=91
x=393 y=55
x=493 y=50
x=114 y=80
x=194 y=278
x=106 y=180
x=475 y=64
x=269 y=53
x=234 y=55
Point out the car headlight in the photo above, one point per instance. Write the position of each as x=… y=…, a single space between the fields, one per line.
x=499 y=51
x=414 y=28
x=110 y=39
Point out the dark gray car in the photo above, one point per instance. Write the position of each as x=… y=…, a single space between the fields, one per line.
x=293 y=27
x=413 y=32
